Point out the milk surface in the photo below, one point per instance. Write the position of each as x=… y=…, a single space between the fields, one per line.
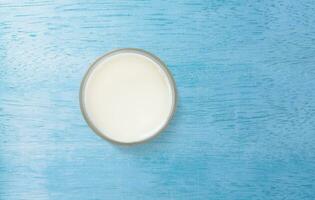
x=128 y=97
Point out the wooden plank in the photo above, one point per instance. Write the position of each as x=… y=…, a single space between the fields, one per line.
x=245 y=121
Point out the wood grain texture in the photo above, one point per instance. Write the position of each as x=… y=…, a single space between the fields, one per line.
x=245 y=121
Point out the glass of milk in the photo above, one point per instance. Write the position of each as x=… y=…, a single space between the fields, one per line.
x=128 y=96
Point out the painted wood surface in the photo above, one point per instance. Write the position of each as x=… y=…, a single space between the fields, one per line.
x=245 y=121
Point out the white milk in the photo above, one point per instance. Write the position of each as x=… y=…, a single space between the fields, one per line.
x=128 y=96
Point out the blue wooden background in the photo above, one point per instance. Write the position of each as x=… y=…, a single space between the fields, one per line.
x=245 y=121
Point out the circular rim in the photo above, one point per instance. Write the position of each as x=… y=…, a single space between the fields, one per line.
x=158 y=61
